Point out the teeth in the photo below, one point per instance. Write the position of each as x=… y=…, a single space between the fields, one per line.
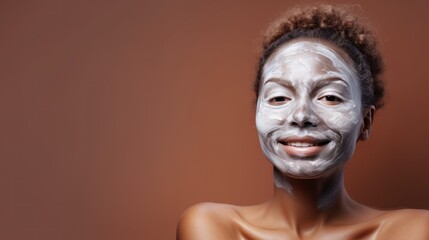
x=301 y=144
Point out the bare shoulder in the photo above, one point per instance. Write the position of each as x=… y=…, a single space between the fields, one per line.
x=207 y=221
x=405 y=224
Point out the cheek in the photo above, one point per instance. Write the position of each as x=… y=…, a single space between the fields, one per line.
x=268 y=119
x=343 y=122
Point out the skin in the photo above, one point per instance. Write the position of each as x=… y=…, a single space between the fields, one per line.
x=309 y=117
x=308 y=90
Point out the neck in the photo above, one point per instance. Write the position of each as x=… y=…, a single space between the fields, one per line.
x=309 y=203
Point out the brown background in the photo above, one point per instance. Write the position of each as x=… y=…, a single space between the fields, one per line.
x=118 y=115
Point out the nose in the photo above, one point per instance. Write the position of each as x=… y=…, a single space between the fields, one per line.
x=303 y=116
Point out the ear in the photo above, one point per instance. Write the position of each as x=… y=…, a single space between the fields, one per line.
x=368 y=117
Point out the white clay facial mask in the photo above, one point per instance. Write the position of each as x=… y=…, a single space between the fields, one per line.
x=309 y=109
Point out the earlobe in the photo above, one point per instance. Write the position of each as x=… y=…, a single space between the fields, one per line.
x=368 y=117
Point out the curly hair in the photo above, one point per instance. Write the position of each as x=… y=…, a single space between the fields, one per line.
x=339 y=26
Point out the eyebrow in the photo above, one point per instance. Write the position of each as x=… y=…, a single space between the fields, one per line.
x=284 y=82
x=324 y=81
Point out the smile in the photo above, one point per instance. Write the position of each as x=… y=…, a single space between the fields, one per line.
x=303 y=146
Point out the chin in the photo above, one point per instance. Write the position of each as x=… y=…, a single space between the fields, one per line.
x=306 y=169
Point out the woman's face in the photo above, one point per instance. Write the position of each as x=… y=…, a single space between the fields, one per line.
x=309 y=114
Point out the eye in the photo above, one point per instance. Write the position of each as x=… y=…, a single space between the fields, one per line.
x=331 y=100
x=278 y=100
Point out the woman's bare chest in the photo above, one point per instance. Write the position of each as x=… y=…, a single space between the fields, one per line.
x=364 y=231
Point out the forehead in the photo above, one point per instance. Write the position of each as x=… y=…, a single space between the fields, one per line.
x=308 y=53
x=319 y=46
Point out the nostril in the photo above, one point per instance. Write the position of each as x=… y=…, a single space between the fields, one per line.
x=302 y=117
x=309 y=124
x=305 y=124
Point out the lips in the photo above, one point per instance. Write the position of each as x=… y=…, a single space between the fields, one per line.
x=303 y=146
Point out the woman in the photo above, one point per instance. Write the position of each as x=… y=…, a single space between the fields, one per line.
x=318 y=86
